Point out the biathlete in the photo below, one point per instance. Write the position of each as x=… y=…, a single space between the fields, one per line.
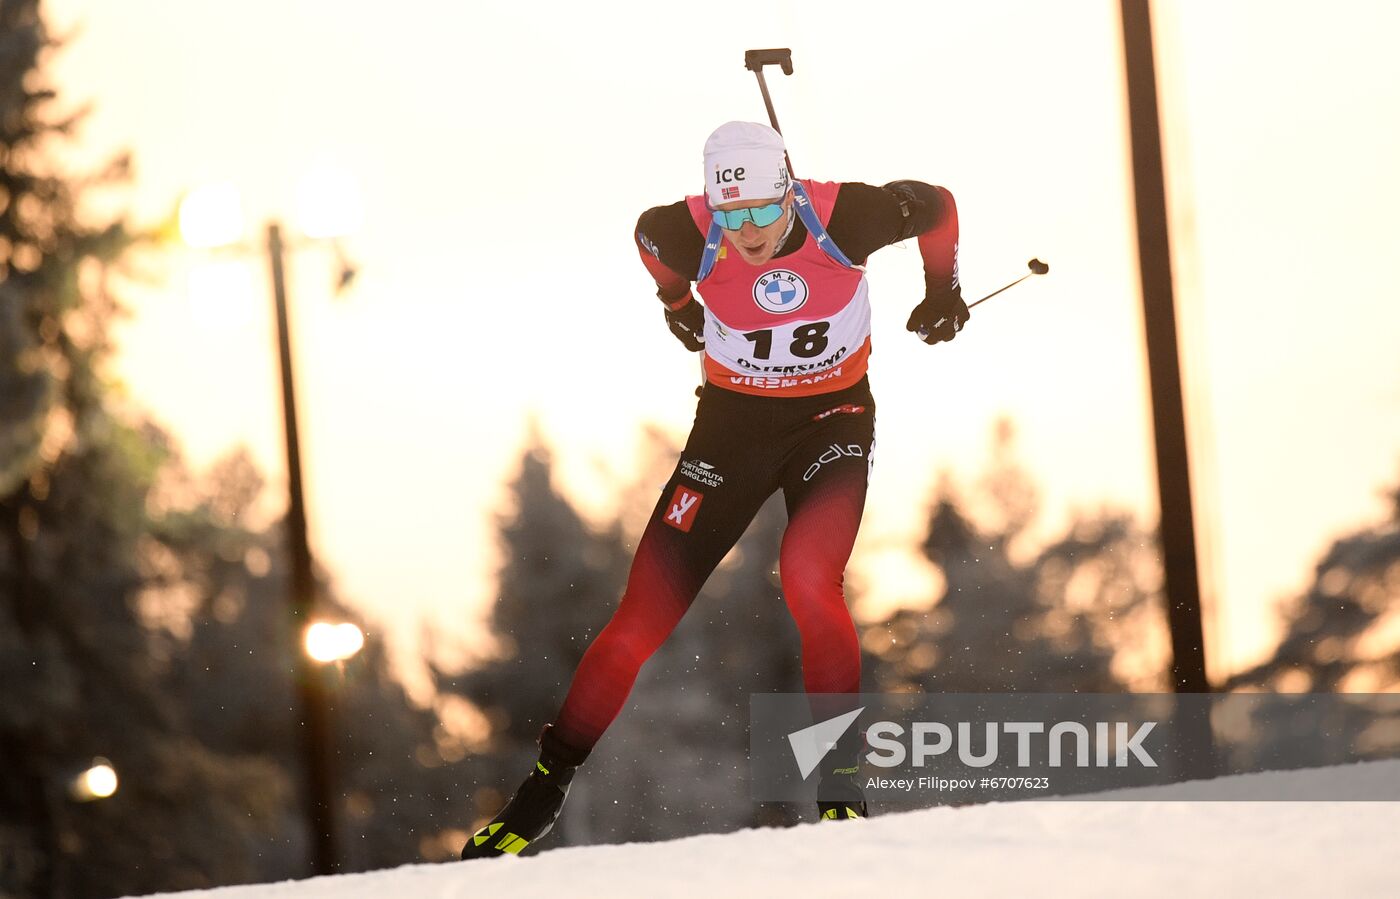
x=785 y=332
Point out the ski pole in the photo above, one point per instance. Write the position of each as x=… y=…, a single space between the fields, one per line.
x=1036 y=268
x=754 y=61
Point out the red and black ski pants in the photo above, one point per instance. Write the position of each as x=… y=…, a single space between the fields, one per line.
x=741 y=449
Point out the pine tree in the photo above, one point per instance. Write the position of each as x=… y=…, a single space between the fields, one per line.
x=231 y=675
x=558 y=584
x=1339 y=636
x=1052 y=623
x=78 y=552
x=1338 y=633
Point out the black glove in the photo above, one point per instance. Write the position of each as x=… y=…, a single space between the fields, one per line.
x=940 y=316
x=688 y=324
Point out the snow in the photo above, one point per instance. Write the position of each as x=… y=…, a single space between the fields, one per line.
x=1138 y=846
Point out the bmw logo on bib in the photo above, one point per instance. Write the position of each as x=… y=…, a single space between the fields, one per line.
x=780 y=291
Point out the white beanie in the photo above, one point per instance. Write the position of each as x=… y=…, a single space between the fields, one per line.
x=745 y=161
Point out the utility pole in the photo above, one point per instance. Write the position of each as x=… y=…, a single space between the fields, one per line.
x=1163 y=361
x=1191 y=718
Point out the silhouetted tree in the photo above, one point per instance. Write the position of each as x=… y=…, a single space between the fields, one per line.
x=140 y=619
x=1339 y=633
x=1051 y=623
x=80 y=679
x=1339 y=637
x=557 y=586
x=231 y=675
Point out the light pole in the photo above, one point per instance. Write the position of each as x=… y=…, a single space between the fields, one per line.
x=312 y=695
x=208 y=219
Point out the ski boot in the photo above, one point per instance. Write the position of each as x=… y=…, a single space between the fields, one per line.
x=535 y=806
x=839 y=796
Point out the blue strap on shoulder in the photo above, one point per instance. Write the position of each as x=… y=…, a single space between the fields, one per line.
x=707 y=260
x=814 y=226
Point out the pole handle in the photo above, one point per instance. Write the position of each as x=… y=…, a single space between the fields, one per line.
x=755 y=60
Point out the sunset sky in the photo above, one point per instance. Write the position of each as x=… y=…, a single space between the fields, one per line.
x=502 y=153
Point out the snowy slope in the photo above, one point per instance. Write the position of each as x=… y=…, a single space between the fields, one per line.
x=1140 y=847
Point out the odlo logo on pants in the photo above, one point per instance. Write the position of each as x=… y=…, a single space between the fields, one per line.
x=831 y=454
x=680 y=512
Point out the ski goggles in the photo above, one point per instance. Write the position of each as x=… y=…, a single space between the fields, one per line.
x=761 y=216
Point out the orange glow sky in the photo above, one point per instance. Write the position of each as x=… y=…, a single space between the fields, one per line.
x=503 y=153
